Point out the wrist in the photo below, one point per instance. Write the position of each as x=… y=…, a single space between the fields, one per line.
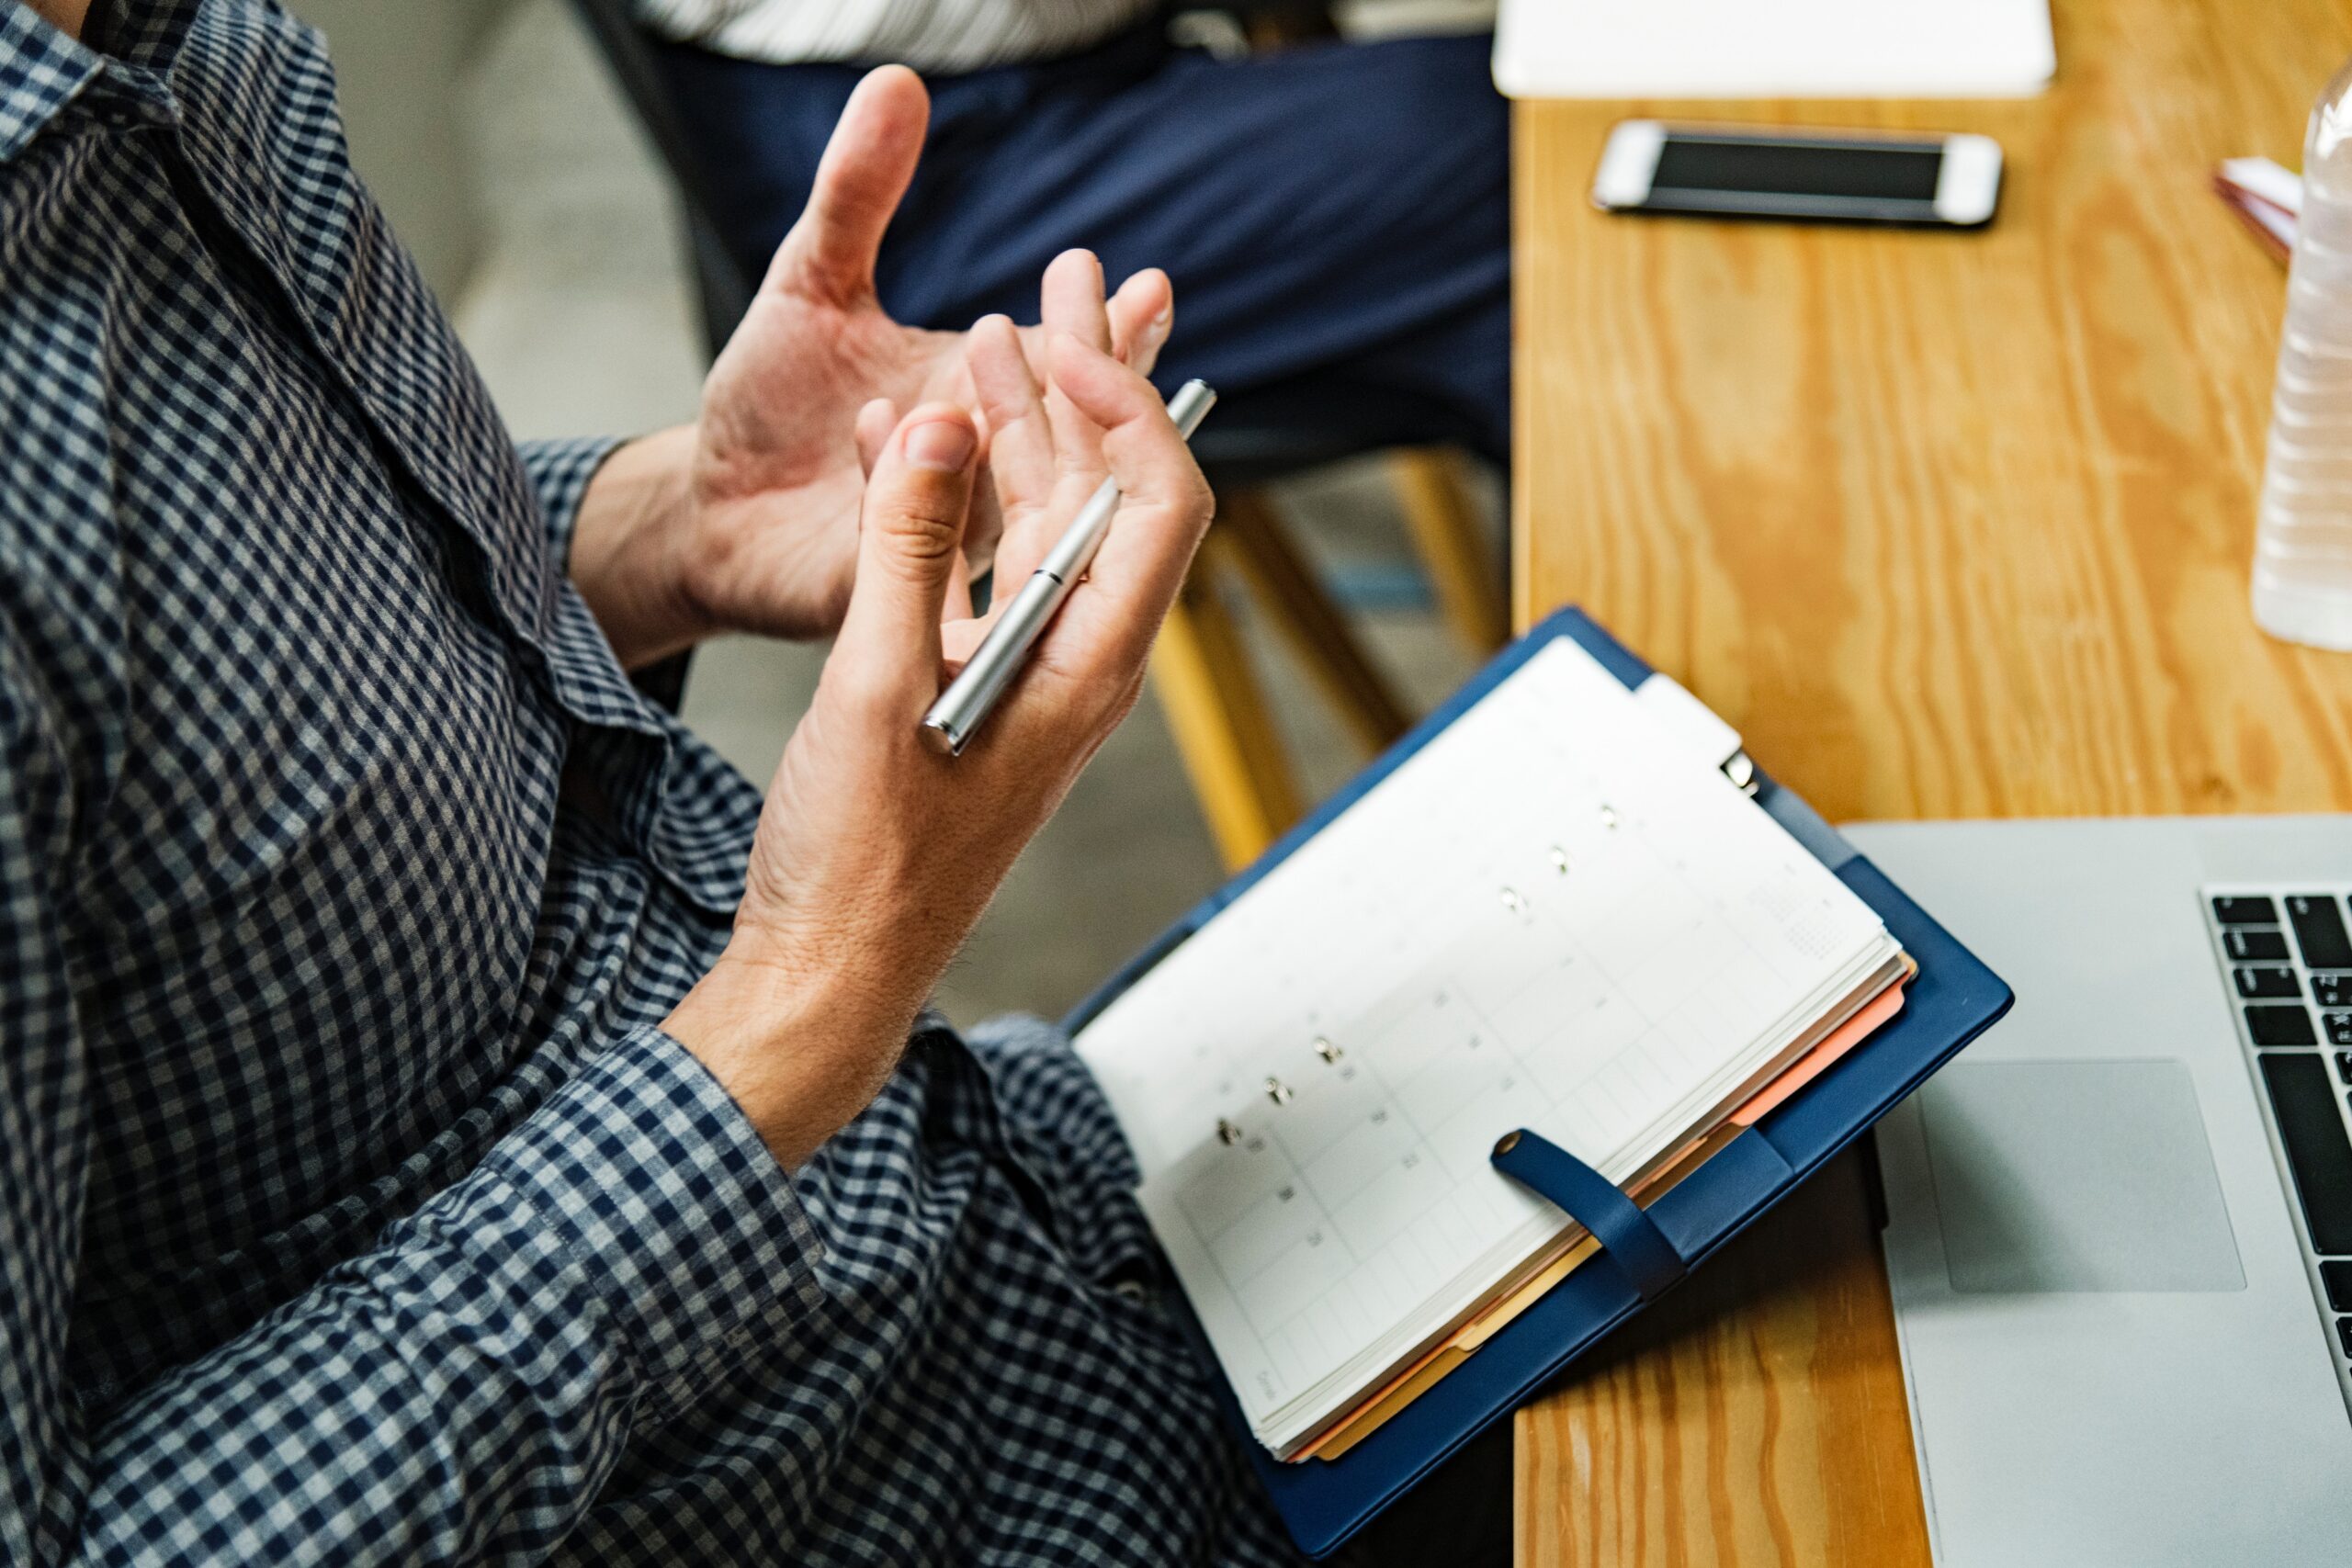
x=629 y=545
x=801 y=1053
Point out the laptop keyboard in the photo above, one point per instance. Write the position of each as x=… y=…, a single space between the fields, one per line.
x=2288 y=955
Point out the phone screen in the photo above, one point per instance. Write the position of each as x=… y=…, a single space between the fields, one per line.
x=1881 y=171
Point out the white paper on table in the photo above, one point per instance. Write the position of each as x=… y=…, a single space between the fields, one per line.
x=1773 y=49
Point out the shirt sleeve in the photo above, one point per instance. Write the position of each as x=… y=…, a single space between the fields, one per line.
x=560 y=472
x=460 y=1392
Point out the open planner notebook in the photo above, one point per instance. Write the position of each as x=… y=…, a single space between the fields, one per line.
x=1555 y=916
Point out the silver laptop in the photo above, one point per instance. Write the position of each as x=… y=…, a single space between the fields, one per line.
x=2120 y=1223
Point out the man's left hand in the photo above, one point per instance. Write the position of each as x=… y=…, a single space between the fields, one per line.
x=747 y=520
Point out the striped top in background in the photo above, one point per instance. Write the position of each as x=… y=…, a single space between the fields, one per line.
x=929 y=34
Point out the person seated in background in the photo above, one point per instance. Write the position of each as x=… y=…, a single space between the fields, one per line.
x=444 y=1115
x=1331 y=210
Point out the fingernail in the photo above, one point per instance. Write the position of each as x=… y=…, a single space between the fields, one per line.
x=944 y=445
x=1160 y=322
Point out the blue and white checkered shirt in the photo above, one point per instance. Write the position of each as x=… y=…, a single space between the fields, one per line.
x=352 y=1206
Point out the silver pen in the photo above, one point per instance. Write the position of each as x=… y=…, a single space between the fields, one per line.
x=957 y=716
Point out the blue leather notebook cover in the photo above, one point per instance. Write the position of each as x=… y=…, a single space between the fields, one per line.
x=1953 y=999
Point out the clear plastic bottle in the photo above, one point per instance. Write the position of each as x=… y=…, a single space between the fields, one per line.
x=2302 y=554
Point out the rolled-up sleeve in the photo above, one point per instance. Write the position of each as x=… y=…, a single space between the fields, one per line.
x=463 y=1391
x=560 y=471
x=640 y=1192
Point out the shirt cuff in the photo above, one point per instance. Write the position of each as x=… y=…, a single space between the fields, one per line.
x=560 y=472
x=648 y=1179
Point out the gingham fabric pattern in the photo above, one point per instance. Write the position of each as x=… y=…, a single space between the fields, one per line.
x=353 y=1208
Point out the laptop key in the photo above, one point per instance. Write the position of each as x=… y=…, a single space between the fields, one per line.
x=2268 y=984
x=2319 y=1155
x=2338 y=1277
x=2339 y=1028
x=2280 y=1023
x=2253 y=945
x=2332 y=990
x=2343 y=1071
x=2343 y=1333
x=2319 y=931
x=2245 y=911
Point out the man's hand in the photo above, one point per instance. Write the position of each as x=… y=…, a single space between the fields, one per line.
x=875 y=854
x=748 y=520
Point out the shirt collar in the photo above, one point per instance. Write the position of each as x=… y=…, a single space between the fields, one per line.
x=144 y=35
x=42 y=69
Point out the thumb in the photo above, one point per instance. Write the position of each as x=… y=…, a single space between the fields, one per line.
x=911 y=536
x=867 y=164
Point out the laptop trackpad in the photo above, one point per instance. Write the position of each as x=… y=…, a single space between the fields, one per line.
x=2075 y=1176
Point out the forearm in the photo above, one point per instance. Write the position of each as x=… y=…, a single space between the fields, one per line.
x=625 y=535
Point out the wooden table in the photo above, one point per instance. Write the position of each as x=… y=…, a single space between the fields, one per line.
x=1948 y=525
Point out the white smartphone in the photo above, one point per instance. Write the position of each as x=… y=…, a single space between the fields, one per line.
x=1832 y=176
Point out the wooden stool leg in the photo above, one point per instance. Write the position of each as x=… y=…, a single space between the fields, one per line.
x=1217 y=712
x=1430 y=488
x=1308 y=620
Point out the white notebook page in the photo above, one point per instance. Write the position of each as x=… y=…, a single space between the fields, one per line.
x=1548 y=917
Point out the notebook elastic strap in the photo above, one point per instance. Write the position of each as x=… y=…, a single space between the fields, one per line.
x=1625 y=1234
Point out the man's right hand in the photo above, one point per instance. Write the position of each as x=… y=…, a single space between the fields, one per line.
x=875 y=854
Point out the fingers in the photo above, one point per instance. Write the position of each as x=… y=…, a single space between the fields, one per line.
x=831 y=252
x=1107 y=626
x=876 y=420
x=910 y=541
x=1021 y=444
x=1143 y=312
x=1029 y=483
x=1017 y=474
x=1140 y=445
x=1071 y=299
x=958 y=603
x=1071 y=302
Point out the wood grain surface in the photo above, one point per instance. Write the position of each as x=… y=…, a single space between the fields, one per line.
x=1948 y=525
x=1755 y=1415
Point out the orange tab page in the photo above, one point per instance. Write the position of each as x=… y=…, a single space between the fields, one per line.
x=1809 y=1066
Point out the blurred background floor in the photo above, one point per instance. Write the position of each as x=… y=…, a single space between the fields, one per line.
x=578 y=311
